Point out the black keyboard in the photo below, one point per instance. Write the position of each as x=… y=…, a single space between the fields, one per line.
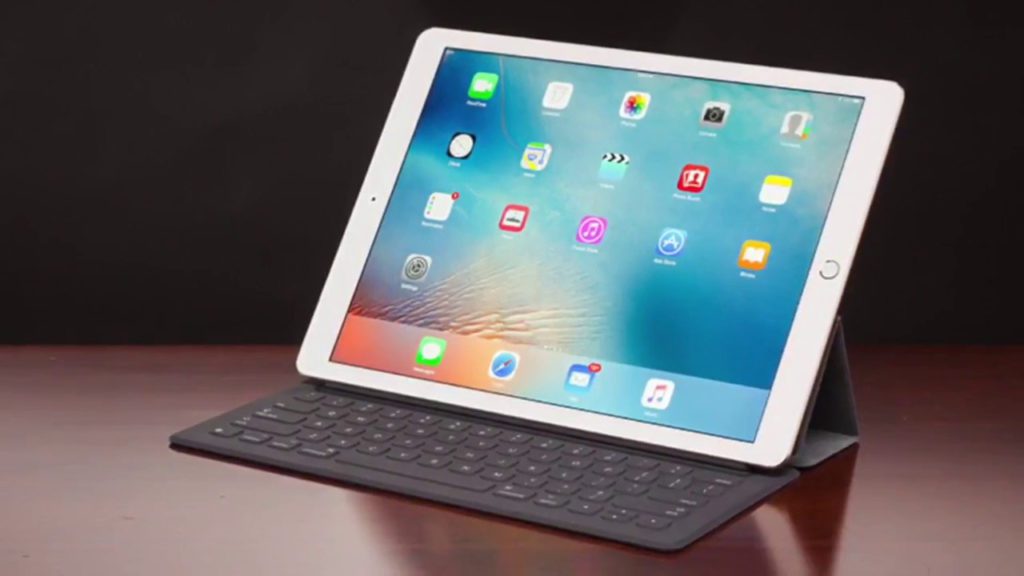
x=580 y=485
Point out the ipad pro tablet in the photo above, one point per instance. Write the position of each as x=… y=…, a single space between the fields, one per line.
x=644 y=247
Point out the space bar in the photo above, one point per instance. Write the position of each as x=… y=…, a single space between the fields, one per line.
x=411 y=470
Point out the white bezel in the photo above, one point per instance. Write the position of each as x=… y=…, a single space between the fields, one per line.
x=808 y=338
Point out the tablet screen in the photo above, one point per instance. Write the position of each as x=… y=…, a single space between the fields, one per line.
x=616 y=241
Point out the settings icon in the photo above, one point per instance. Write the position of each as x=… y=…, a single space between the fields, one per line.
x=416 y=267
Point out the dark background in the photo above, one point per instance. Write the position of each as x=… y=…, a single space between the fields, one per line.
x=176 y=173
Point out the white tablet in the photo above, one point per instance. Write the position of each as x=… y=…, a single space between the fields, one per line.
x=646 y=247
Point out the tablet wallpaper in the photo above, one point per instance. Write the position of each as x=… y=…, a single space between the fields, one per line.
x=615 y=241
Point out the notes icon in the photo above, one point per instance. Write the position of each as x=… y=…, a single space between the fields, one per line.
x=657 y=393
x=591 y=230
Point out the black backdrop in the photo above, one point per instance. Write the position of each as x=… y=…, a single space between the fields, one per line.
x=175 y=173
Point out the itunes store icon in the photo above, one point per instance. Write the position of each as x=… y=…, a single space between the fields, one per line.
x=591 y=230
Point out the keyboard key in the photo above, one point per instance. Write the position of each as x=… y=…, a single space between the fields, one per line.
x=471 y=455
x=578 y=450
x=585 y=508
x=454 y=425
x=577 y=463
x=373 y=449
x=631 y=488
x=551 y=500
x=337 y=402
x=419 y=431
x=254 y=437
x=484 y=431
x=466 y=468
x=349 y=430
x=365 y=407
x=425 y=419
x=618 y=515
x=609 y=457
x=331 y=414
x=361 y=419
x=675 y=469
x=287 y=444
x=480 y=444
x=498 y=475
x=511 y=450
x=544 y=456
x=317 y=452
x=268 y=426
x=596 y=495
x=708 y=489
x=608 y=469
x=297 y=407
x=225 y=432
x=409 y=443
x=403 y=455
x=434 y=461
x=318 y=424
x=529 y=481
x=642 y=463
x=344 y=442
x=450 y=437
x=516 y=437
x=653 y=522
x=648 y=506
x=502 y=461
x=642 y=476
x=717 y=478
x=546 y=444
x=280 y=416
x=674 y=482
x=378 y=436
x=390 y=425
x=565 y=475
x=514 y=492
x=418 y=470
x=395 y=413
x=532 y=468
x=561 y=488
x=671 y=497
x=311 y=396
x=313 y=436
x=598 y=481
x=439 y=449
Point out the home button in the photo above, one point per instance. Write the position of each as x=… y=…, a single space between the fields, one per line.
x=829 y=270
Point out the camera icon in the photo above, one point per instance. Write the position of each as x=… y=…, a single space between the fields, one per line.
x=715 y=114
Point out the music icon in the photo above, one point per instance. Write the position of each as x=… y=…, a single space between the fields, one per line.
x=591 y=230
x=657 y=393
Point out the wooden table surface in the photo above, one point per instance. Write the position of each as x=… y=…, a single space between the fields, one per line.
x=89 y=486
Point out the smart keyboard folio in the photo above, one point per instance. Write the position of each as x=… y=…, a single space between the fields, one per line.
x=586 y=288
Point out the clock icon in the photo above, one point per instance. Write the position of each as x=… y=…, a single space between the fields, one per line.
x=461 y=145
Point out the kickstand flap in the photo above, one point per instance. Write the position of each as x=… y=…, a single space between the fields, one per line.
x=830 y=425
